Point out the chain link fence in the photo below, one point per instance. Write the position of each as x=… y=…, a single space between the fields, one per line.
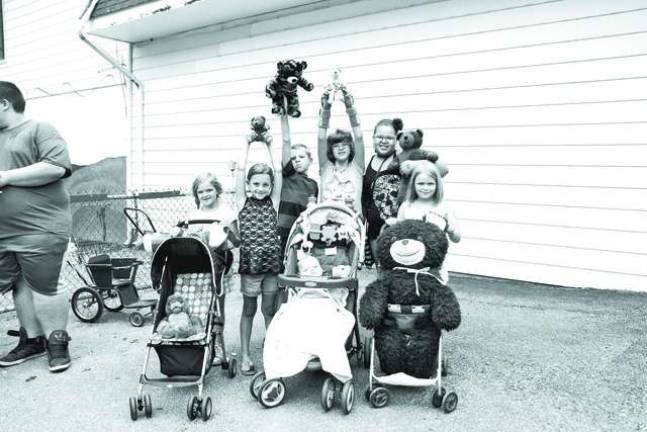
x=100 y=226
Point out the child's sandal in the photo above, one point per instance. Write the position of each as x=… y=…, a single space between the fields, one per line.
x=247 y=368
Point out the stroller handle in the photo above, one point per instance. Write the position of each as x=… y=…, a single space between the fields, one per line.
x=317 y=282
x=186 y=223
x=131 y=218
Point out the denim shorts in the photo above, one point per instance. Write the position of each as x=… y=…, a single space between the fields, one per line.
x=37 y=258
x=253 y=285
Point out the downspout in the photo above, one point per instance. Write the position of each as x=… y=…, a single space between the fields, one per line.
x=132 y=79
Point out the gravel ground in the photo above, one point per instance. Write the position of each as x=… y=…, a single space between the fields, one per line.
x=526 y=358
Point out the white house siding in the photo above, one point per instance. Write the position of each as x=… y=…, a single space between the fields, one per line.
x=538 y=107
x=64 y=81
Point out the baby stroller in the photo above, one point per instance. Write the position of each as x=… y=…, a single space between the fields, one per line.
x=377 y=394
x=324 y=248
x=185 y=266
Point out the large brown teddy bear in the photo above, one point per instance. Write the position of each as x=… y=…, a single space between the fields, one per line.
x=408 y=252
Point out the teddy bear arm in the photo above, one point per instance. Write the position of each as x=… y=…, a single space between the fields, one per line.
x=373 y=304
x=270 y=89
x=196 y=323
x=305 y=84
x=445 y=310
x=165 y=330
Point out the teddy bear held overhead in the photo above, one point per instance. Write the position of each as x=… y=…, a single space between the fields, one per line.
x=282 y=89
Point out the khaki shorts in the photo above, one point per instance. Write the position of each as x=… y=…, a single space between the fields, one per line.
x=37 y=258
x=253 y=285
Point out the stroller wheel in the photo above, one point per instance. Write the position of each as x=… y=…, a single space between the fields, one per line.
x=136 y=319
x=111 y=300
x=449 y=402
x=193 y=408
x=272 y=393
x=206 y=409
x=257 y=382
x=347 y=397
x=231 y=366
x=366 y=352
x=437 y=397
x=367 y=394
x=148 y=406
x=379 y=397
x=87 y=304
x=328 y=394
x=133 y=408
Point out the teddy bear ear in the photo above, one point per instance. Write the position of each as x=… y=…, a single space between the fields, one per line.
x=279 y=65
x=303 y=64
x=397 y=124
x=419 y=132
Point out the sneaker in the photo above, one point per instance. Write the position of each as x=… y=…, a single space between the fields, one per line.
x=25 y=350
x=218 y=350
x=57 y=351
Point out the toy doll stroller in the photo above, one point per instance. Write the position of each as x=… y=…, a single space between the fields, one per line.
x=188 y=267
x=377 y=394
x=111 y=284
x=323 y=251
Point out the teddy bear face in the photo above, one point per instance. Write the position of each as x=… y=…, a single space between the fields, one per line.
x=291 y=70
x=174 y=304
x=259 y=124
x=410 y=139
x=413 y=244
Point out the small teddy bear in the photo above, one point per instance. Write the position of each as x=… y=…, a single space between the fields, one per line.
x=410 y=141
x=178 y=323
x=260 y=130
x=282 y=89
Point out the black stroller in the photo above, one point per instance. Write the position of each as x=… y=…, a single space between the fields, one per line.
x=185 y=266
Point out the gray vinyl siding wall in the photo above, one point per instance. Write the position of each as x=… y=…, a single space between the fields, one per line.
x=538 y=107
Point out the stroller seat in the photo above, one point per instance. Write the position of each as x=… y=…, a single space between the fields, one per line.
x=404 y=316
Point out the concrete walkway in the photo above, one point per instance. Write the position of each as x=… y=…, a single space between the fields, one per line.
x=526 y=358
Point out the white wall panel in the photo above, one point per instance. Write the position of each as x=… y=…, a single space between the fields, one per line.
x=537 y=106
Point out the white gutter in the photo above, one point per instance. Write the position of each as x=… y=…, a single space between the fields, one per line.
x=132 y=79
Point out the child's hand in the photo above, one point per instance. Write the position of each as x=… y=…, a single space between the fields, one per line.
x=391 y=221
x=325 y=99
x=176 y=232
x=348 y=98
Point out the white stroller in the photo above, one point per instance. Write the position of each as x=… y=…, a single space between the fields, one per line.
x=318 y=322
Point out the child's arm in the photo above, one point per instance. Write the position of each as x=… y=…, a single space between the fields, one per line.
x=453 y=229
x=241 y=194
x=278 y=181
x=349 y=101
x=324 y=123
x=286 y=148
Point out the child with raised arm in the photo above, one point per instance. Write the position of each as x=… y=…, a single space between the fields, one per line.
x=341 y=159
x=260 y=255
x=297 y=188
x=424 y=201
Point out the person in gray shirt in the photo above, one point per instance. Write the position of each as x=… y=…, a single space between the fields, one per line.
x=35 y=230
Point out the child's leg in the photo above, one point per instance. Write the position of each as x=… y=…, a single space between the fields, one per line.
x=250 y=286
x=268 y=303
x=246 y=324
x=268 y=307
